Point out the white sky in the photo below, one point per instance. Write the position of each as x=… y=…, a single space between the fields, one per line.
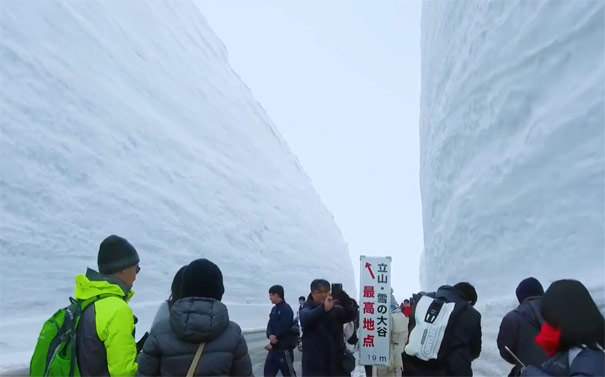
x=341 y=81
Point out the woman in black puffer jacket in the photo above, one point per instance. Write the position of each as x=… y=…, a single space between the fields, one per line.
x=198 y=317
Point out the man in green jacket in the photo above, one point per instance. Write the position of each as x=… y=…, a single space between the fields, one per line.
x=105 y=338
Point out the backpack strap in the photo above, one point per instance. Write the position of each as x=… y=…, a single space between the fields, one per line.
x=537 y=316
x=196 y=360
x=572 y=354
x=83 y=305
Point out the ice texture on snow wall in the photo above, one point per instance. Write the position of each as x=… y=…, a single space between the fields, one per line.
x=512 y=149
x=126 y=118
x=512 y=141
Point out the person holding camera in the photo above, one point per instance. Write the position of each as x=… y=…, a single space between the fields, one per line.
x=322 y=318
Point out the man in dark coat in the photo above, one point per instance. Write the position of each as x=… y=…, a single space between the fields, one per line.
x=462 y=340
x=322 y=319
x=520 y=327
x=281 y=340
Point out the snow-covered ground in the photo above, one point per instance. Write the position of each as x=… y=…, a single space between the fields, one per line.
x=125 y=117
x=512 y=149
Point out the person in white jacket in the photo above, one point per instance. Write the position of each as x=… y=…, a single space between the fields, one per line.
x=398 y=324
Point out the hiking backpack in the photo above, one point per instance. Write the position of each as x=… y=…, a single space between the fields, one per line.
x=434 y=318
x=55 y=352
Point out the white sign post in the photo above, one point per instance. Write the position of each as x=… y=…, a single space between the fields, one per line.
x=375 y=310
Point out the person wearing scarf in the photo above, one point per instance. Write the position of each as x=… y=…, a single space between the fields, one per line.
x=572 y=335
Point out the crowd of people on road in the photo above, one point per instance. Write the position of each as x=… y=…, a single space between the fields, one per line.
x=557 y=332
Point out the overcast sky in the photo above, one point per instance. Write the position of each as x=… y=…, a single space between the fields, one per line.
x=341 y=81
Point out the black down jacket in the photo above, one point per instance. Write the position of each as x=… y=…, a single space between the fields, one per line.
x=323 y=339
x=173 y=341
x=518 y=331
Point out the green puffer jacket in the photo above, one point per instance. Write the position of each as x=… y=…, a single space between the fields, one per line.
x=105 y=338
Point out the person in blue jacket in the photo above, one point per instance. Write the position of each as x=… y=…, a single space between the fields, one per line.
x=281 y=339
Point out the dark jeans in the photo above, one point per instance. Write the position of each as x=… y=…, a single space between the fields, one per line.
x=416 y=367
x=279 y=360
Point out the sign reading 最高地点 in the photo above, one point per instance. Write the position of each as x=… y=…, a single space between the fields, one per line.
x=374 y=310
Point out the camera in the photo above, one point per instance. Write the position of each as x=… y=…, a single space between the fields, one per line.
x=336 y=290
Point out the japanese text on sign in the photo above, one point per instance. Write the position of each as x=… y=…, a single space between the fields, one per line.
x=375 y=302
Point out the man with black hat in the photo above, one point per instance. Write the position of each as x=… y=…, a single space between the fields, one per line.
x=105 y=339
x=521 y=325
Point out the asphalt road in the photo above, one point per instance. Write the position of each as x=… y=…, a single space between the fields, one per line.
x=256 y=349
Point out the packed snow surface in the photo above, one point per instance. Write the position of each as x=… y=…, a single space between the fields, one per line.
x=125 y=118
x=512 y=149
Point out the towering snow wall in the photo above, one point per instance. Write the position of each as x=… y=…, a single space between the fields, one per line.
x=512 y=149
x=125 y=117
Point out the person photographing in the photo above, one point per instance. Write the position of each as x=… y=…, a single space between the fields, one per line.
x=322 y=318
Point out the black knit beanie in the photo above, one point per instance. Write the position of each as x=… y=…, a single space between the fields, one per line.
x=115 y=254
x=528 y=288
x=203 y=279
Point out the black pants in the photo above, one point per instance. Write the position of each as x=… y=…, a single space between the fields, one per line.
x=411 y=368
x=279 y=360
